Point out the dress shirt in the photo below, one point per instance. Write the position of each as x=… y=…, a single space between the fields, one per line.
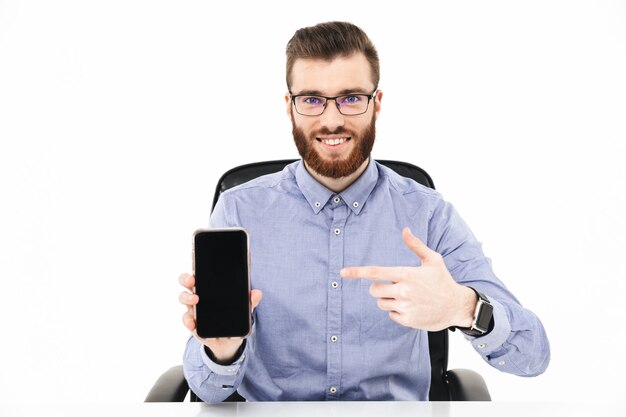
x=319 y=337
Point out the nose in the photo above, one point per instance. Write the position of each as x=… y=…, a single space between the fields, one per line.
x=331 y=118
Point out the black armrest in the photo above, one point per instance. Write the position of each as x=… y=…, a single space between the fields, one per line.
x=467 y=385
x=170 y=387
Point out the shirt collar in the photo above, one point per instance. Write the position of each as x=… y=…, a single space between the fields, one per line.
x=354 y=196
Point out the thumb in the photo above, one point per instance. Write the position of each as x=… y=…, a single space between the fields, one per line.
x=255 y=298
x=427 y=255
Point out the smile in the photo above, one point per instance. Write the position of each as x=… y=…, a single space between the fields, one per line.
x=333 y=141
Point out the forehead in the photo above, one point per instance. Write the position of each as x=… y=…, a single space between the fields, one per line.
x=326 y=77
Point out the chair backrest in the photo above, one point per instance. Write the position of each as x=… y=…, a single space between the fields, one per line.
x=437 y=341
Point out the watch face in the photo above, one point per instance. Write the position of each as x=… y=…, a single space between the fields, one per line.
x=484 y=316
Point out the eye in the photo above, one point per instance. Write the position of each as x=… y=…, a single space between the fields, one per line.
x=312 y=100
x=350 y=99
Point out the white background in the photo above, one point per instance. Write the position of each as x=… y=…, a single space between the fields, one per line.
x=117 y=118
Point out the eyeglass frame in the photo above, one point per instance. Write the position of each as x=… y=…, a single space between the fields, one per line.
x=370 y=97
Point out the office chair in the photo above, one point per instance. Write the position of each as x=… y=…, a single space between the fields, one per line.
x=446 y=385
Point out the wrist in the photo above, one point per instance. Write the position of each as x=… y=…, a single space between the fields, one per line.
x=225 y=358
x=467 y=300
x=482 y=322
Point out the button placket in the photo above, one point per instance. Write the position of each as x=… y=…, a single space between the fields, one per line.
x=334 y=303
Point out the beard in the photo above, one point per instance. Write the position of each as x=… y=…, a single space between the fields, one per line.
x=335 y=167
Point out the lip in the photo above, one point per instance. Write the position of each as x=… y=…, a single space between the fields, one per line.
x=324 y=137
x=333 y=148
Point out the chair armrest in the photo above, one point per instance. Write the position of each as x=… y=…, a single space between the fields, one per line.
x=170 y=387
x=467 y=385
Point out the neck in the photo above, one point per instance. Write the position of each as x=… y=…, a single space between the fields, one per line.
x=337 y=185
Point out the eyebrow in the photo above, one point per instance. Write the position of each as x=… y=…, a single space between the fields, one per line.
x=341 y=93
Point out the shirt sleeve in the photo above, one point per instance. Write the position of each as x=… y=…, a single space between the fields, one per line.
x=518 y=343
x=211 y=382
x=221 y=215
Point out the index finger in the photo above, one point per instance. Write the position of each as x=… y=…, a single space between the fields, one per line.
x=374 y=273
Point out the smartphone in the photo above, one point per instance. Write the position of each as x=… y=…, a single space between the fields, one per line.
x=221 y=265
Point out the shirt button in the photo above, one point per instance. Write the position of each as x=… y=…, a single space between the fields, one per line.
x=317 y=204
x=337 y=232
x=481 y=346
x=335 y=284
x=355 y=204
x=336 y=199
x=333 y=390
x=501 y=363
x=333 y=339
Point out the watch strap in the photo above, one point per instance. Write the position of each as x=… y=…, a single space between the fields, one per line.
x=483 y=321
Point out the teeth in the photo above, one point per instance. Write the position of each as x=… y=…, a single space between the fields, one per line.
x=334 y=141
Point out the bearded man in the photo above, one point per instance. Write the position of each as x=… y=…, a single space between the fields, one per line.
x=354 y=263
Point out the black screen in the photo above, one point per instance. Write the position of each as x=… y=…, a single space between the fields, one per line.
x=221 y=270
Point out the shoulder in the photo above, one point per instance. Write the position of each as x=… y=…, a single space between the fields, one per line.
x=239 y=203
x=417 y=200
x=281 y=181
x=404 y=186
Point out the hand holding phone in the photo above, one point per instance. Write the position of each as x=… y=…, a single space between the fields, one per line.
x=223 y=349
x=221 y=263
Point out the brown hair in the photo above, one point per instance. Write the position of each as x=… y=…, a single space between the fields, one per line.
x=328 y=41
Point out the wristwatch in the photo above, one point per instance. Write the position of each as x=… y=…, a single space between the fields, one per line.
x=483 y=317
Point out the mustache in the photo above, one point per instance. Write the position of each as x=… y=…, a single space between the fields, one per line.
x=337 y=131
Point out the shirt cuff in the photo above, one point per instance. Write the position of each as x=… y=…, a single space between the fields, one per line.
x=226 y=370
x=494 y=340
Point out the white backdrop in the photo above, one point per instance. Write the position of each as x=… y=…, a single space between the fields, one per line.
x=117 y=118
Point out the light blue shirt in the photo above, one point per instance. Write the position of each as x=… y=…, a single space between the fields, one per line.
x=318 y=337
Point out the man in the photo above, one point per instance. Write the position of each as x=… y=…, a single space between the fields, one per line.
x=353 y=263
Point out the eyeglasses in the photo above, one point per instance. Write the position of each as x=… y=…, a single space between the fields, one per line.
x=348 y=104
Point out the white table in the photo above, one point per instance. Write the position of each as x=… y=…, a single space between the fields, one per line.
x=320 y=409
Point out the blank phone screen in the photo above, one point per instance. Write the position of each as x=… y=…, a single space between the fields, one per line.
x=221 y=271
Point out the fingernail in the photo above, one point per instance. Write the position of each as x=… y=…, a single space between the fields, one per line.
x=343 y=273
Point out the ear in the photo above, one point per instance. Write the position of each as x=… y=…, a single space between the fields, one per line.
x=377 y=102
x=288 y=103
